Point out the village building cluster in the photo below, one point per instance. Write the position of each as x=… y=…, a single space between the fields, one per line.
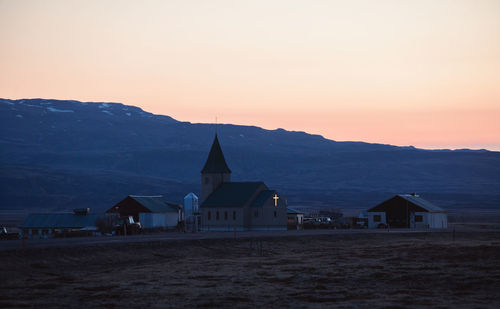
x=226 y=206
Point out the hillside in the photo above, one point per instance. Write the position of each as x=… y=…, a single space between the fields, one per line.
x=58 y=155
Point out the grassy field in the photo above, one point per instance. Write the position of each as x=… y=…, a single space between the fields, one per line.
x=349 y=271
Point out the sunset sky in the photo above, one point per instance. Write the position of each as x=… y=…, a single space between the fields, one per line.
x=422 y=73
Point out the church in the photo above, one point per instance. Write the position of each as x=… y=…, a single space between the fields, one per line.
x=242 y=206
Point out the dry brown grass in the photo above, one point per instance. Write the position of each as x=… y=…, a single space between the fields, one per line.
x=350 y=271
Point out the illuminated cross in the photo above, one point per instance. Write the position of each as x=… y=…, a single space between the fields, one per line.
x=275 y=198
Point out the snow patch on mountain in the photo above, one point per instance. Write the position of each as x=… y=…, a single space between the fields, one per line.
x=55 y=110
x=7 y=102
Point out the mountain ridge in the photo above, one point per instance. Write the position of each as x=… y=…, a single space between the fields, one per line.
x=47 y=144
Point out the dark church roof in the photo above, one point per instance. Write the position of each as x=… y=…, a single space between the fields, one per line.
x=263 y=197
x=215 y=161
x=235 y=194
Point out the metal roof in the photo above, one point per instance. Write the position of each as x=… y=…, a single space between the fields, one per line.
x=417 y=200
x=191 y=195
x=293 y=211
x=60 y=220
x=234 y=194
x=215 y=161
x=156 y=203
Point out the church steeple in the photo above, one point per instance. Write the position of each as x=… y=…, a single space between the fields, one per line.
x=215 y=172
x=216 y=163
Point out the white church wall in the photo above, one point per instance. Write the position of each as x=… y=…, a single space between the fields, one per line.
x=234 y=219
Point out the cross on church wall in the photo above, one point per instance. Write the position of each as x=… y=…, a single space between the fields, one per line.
x=275 y=198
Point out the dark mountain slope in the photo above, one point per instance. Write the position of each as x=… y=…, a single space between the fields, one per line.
x=64 y=154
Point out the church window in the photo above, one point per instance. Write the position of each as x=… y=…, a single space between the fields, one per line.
x=275 y=213
x=225 y=215
x=209 y=216
x=207 y=180
x=217 y=215
x=377 y=218
x=256 y=213
x=234 y=215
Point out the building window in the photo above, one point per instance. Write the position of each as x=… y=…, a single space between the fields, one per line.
x=419 y=218
x=234 y=215
x=377 y=218
x=256 y=213
x=209 y=216
x=225 y=215
x=207 y=180
x=275 y=213
x=217 y=215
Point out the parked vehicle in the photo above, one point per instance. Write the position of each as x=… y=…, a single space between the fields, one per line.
x=323 y=222
x=4 y=234
x=319 y=223
x=127 y=226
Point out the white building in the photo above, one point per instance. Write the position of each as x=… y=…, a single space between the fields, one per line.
x=407 y=211
x=150 y=211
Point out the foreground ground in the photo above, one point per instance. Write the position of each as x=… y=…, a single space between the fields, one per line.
x=367 y=270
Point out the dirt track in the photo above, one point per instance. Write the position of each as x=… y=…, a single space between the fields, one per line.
x=347 y=270
x=175 y=235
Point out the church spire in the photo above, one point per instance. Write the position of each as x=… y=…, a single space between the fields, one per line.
x=215 y=161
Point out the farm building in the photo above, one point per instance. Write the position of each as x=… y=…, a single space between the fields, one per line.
x=150 y=211
x=295 y=219
x=48 y=224
x=407 y=211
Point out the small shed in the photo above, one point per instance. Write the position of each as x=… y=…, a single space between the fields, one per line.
x=192 y=218
x=295 y=219
x=151 y=211
x=191 y=205
x=407 y=211
x=43 y=225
